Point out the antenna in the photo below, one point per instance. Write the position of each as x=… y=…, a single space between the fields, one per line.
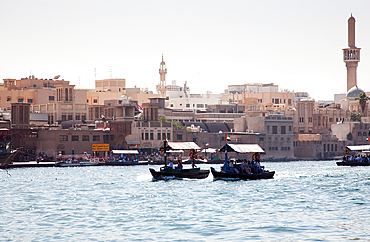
x=110 y=72
x=95 y=72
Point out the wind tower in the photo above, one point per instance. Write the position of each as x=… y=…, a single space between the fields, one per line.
x=351 y=55
x=161 y=88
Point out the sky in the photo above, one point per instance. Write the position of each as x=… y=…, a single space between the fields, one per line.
x=208 y=43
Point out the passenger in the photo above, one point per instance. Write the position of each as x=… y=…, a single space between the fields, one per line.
x=179 y=164
x=170 y=164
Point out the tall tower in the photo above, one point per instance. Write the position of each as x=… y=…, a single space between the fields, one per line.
x=351 y=55
x=162 y=83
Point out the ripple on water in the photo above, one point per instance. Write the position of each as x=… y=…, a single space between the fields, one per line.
x=312 y=201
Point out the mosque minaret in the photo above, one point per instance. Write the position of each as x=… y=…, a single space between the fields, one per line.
x=162 y=83
x=351 y=55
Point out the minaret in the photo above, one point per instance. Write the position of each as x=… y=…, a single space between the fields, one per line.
x=351 y=55
x=162 y=83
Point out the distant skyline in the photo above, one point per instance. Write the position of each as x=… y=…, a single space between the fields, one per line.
x=210 y=44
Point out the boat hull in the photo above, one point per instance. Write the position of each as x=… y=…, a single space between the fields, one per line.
x=193 y=173
x=63 y=164
x=242 y=176
x=7 y=158
x=351 y=163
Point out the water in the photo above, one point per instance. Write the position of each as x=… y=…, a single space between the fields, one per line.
x=306 y=201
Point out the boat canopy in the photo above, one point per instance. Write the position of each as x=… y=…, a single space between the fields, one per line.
x=242 y=148
x=359 y=148
x=126 y=152
x=181 y=146
x=209 y=150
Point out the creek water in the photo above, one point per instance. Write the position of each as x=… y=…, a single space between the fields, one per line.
x=305 y=201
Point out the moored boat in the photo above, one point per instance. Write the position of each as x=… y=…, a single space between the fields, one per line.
x=7 y=155
x=168 y=171
x=69 y=163
x=243 y=171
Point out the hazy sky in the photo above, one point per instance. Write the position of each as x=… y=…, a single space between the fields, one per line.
x=209 y=43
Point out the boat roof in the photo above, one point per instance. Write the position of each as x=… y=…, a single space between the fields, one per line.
x=242 y=148
x=181 y=146
x=209 y=150
x=128 y=152
x=359 y=147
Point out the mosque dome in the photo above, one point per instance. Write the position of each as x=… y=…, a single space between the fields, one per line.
x=354 y=92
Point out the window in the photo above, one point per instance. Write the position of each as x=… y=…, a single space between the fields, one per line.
x=70 y=117
x=200 y=105
x=96 y=138
x=290 y=128
x=179 y=136
x=171 y=105
x=63 y=138
x=188 y=105
x=64 y=117
x=261 y=139
x=282 y=130
x=146 y=136
x=20 y=100
x=142 y=136
x=8 y=99
x=95 y=101
x=336 y=147
x=289 y=101
x=163 y=136
x=330 y=119
x=168 y=136
x=310 y=119
x=268 y=128
x=29 y=100
x=77 y=117
x=274 y=129
x=74 y=137
x=301 y=119
x=151 y=136
x=324 y=146
x=51 y=98
x=85 y=138
x=159 y=136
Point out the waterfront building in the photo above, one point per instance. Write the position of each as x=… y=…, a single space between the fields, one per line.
x=275 y=134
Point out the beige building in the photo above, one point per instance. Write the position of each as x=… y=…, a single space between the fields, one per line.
x=261 y=101
x=57 y=98
x=310 y=119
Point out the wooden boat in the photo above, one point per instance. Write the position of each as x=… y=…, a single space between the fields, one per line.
x=352 y=163
x=169 y=172
x=353 y=151
x=242 y=176
x=69 y=163
x=231 y=172
x=6 y=154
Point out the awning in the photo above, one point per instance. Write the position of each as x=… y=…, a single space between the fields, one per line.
x=359 y=147
x=181 y=146
x=126 y=152
x=209 y=150
x=242 y=148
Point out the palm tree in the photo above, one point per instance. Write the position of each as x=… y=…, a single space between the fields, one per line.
x=362 y=98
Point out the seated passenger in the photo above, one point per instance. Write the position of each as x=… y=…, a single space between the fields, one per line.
x=179 y=164
x=170 y=164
